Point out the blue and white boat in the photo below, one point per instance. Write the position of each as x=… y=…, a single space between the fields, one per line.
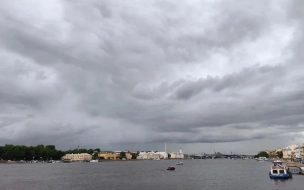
x=279 y=170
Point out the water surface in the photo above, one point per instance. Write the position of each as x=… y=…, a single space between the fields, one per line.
x=146 y=175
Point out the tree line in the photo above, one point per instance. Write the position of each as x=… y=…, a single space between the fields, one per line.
x=39 y=152
x=279 y=154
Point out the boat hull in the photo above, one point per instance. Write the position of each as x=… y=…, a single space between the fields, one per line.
x=279 y=176
x=171 y=168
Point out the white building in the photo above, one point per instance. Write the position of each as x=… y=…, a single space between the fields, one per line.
x=297 y=153
x=289 y=152
x=148 y=156
x=177 y=155
x=163 y=155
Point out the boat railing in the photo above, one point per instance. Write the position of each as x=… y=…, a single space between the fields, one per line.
x=278 y=167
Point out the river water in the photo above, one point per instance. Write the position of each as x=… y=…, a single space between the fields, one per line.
x=145 y=175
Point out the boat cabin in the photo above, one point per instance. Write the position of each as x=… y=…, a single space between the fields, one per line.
x=279 y=170
x=279 y=167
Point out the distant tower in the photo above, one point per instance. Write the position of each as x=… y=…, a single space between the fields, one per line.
x=181 y=155
x=166 y=153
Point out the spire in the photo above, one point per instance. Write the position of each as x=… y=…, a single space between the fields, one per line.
x=166 y=147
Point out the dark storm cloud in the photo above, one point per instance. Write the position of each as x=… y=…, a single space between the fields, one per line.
x=137 y=72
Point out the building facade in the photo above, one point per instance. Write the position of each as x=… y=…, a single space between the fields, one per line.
x=177 y=155
x=300 y=152
x=114 y=155
x=148 y=156
x=289 y=152
x=163 y=155
x=77 y=157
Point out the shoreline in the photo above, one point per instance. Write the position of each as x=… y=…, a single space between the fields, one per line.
x=108 y=160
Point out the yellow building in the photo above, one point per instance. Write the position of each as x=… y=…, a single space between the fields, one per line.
x=108 y=155
x=113 y=155
x=273 y=153
x=77 y=157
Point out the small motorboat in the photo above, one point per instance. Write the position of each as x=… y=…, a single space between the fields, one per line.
x=179 y=163
x=261 y=159
x=279 y=170
x=171 y=168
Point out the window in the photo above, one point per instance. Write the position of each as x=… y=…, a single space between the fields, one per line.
x=275 y=171
x=281 y=171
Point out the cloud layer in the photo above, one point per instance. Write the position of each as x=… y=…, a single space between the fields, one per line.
x=118 y=74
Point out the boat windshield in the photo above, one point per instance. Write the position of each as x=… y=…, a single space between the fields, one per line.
x=278 y=163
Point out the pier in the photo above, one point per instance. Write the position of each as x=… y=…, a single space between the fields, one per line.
x=296 y=167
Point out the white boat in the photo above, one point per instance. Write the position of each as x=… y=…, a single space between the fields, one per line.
x=94 y=161
x=279 y=170
x=262 y=159
x=179 y=163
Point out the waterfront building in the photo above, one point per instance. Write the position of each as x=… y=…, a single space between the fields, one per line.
x=114 y=155
x=177 y=155
x=300 y=152
x=77 y=157
x=148 y=156
x=108 y=155
x=163 y=155
x=289 y=152
x=297 y=154
x=273 y=153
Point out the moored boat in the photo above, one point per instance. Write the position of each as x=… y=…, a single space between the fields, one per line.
x=261 y=159
x=279 y=170
x=66 y=161
x=171 y=168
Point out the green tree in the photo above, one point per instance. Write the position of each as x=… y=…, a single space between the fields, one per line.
x=280 y=154
x=97 y=149
x=95 y=155
x=122 y=155
x=90 y=151
x=52 y=147
x=262 y=154
x=134 y=155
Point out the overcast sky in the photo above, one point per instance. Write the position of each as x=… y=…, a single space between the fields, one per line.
x=201 y=75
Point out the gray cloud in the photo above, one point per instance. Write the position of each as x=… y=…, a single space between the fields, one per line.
x=113 y=73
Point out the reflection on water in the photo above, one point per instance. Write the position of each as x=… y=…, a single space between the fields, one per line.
x=148 y=175
x=279 y=181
